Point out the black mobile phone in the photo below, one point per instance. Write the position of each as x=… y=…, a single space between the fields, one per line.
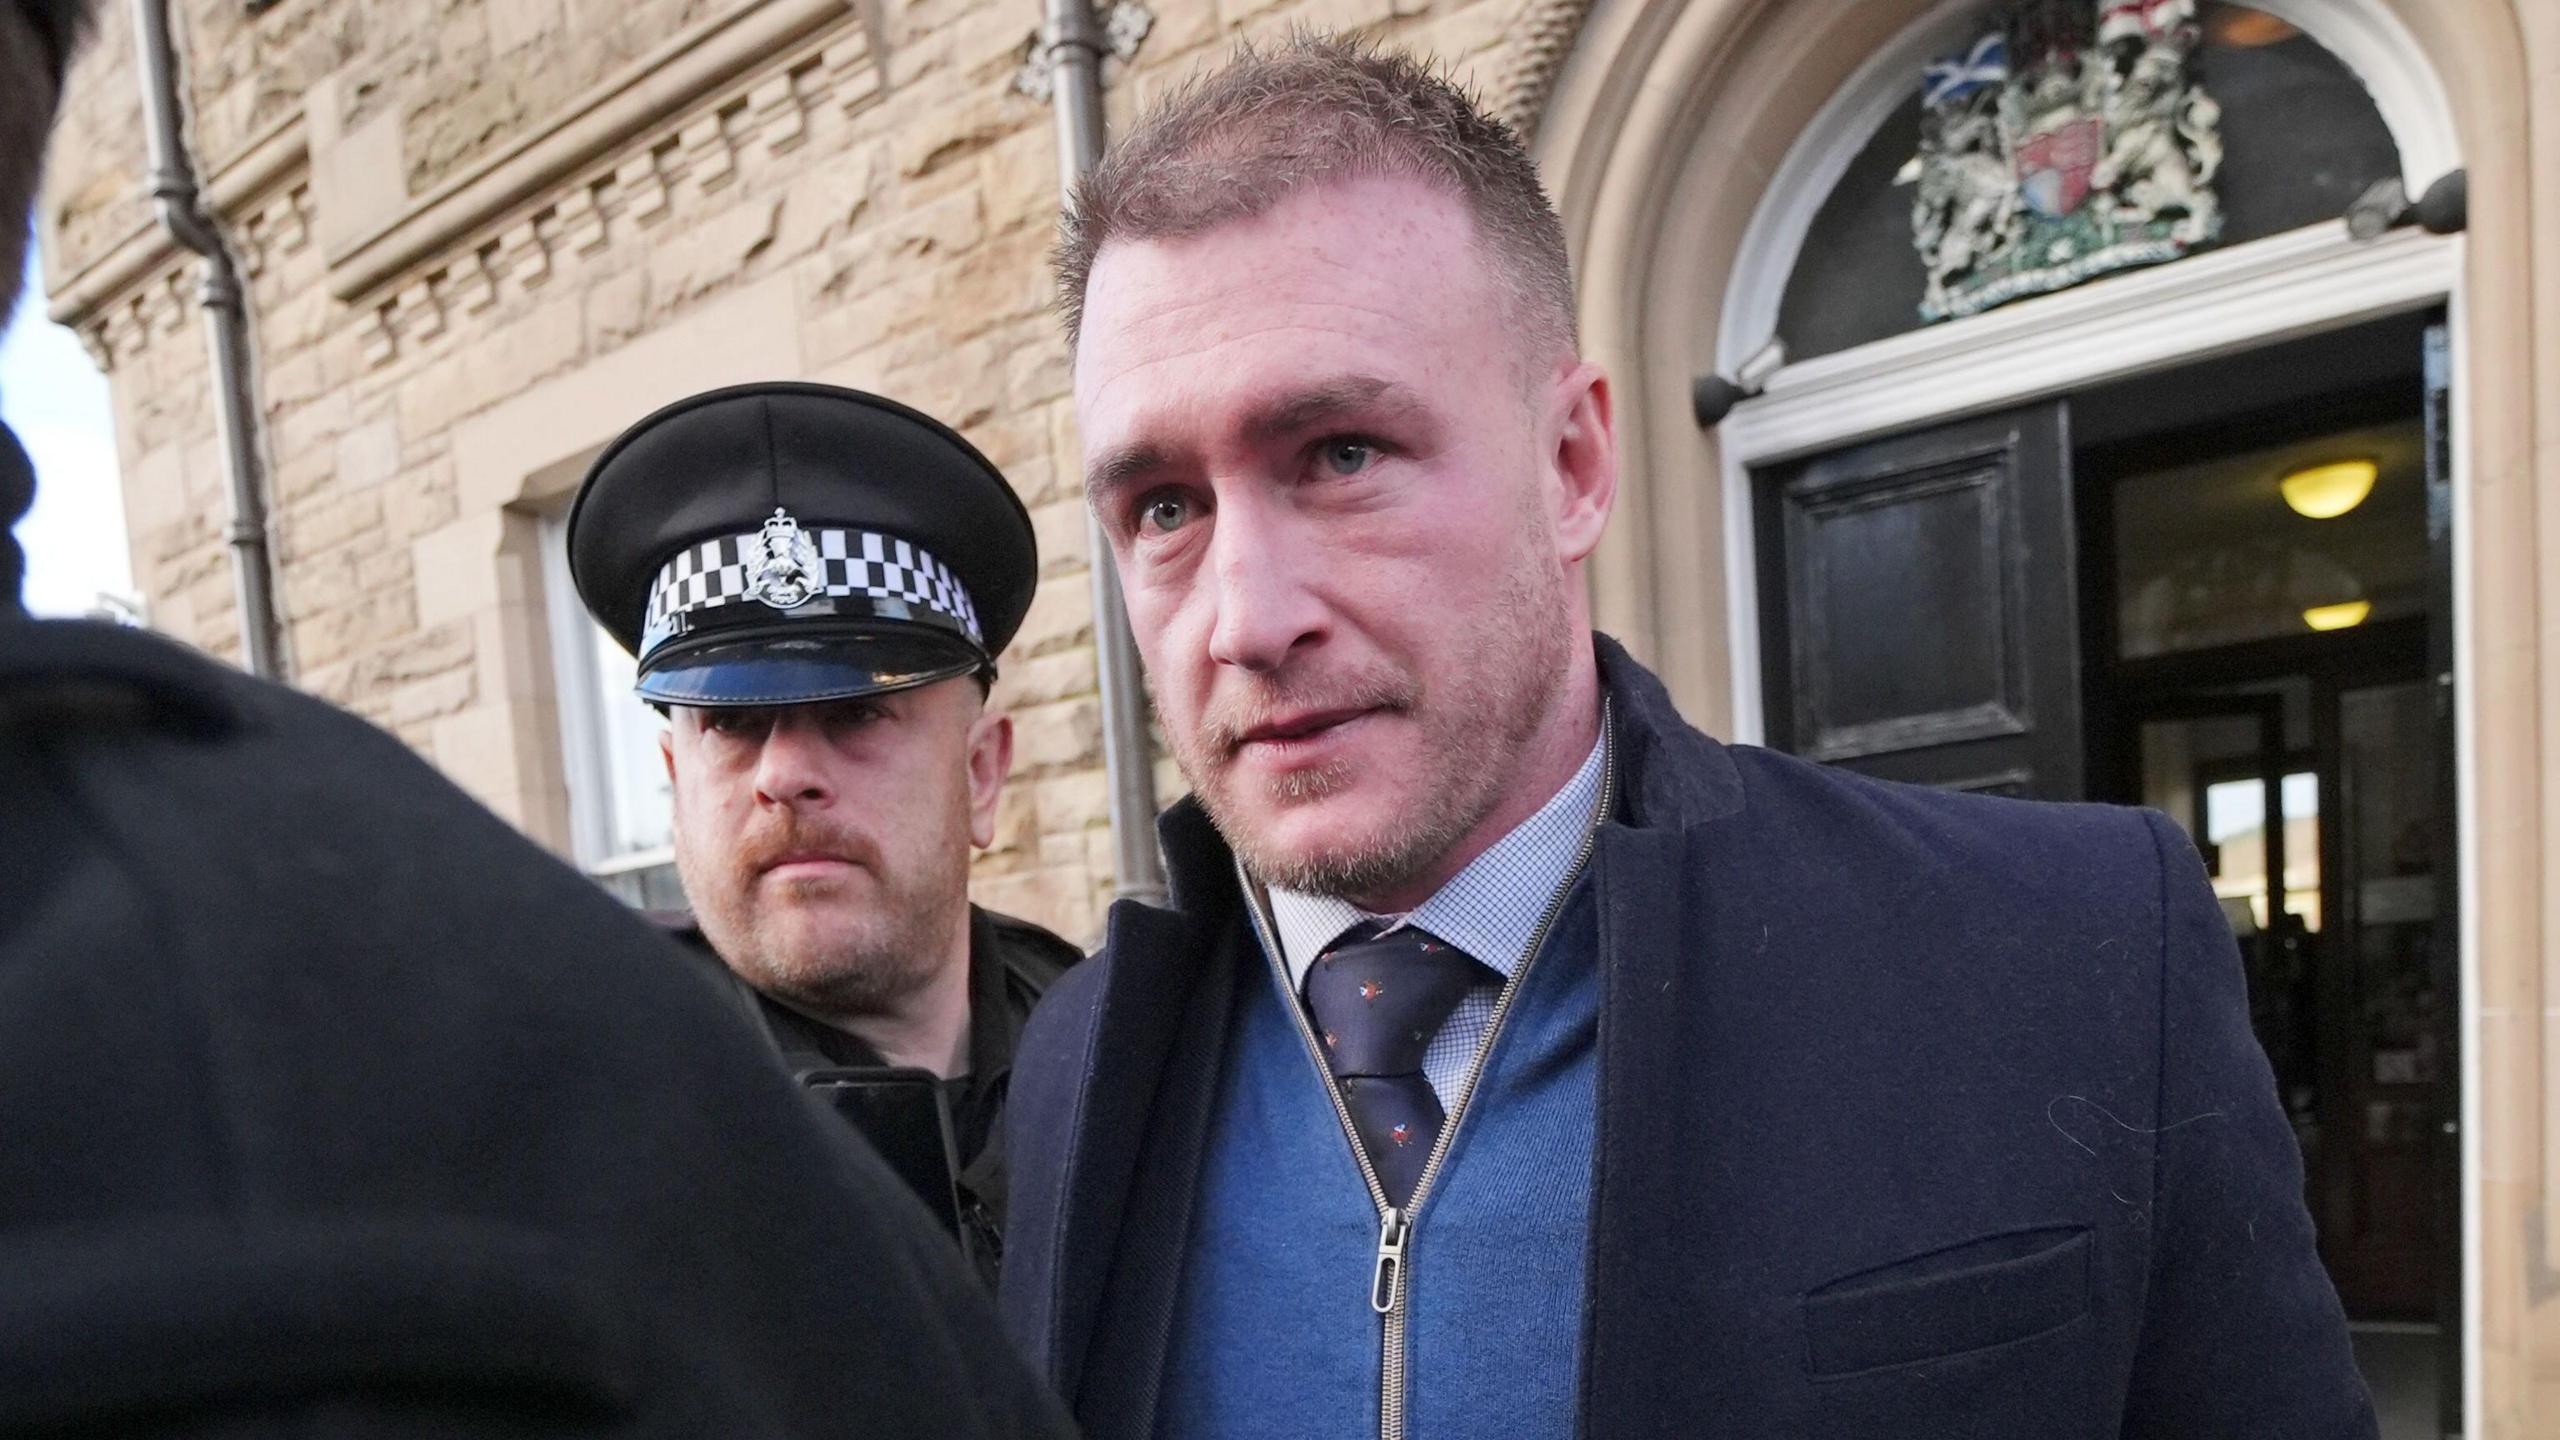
x=903 y=1113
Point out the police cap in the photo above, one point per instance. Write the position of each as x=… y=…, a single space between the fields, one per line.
x=783 y=543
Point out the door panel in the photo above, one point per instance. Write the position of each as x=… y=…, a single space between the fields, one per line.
x=1920 y=606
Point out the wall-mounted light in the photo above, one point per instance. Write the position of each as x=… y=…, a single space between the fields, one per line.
x=2325 y=492
x=2345 y=615
x=1713 y=396
x=2443 y=209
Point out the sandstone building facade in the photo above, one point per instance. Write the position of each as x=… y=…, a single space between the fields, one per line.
x=484 y=235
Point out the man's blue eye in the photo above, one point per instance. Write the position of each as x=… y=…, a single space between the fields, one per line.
x=1348 y=457
x=1164 y=514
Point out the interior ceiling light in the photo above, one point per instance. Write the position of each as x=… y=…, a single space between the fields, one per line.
x=2325 y=492
x=2344 y=616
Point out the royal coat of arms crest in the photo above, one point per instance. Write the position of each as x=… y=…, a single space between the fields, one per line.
x=2069 y=141
x=782 y=564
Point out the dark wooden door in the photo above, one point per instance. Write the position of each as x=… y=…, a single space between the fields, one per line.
x=1919 y=606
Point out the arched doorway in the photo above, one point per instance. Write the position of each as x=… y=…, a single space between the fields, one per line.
x=1694 y=147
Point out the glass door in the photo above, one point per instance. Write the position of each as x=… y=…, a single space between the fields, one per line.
x=2379 y=1222
x=2266 y=591
x=2220 y=765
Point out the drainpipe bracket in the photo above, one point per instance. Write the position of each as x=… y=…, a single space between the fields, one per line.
x=1124 y=26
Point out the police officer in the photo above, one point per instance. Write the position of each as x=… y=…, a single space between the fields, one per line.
x=816 y=583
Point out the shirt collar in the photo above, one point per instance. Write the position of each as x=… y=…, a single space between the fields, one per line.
x=1491 y=908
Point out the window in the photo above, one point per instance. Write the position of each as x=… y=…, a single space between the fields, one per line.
x=621 y=807
x=2235 y=832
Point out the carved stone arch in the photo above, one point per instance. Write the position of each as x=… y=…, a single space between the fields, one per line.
x=2365 y=38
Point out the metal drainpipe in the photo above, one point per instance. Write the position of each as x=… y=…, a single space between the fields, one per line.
x=1073 y=39
x=226 y=310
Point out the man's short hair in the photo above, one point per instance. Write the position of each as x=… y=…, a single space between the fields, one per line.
x=36 y=41
x=1317 y=108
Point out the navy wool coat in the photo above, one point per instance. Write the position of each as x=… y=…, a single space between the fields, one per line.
x=1920 y=1114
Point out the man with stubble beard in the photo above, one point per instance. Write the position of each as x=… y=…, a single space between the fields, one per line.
x=816 y=582
x=1514 y=1059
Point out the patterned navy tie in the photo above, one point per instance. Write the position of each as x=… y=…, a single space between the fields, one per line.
x=1377 y=999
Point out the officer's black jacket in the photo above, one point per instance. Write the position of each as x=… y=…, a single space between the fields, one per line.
x=329 y=1105
x=1012 y=963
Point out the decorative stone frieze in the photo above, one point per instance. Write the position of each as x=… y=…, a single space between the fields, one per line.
x=684 y=163
x=163 y=302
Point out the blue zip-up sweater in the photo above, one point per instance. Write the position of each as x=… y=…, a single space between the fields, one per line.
x=1274 y=1331
x=1917 y=1114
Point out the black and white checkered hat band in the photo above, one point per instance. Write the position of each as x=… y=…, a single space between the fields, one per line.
x=851 y=564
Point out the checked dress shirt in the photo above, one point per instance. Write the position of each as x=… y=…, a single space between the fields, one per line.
x=1489 y=910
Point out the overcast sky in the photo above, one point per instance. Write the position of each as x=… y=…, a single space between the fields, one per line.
x=57 y=403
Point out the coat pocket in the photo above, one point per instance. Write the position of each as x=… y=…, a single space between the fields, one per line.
x=1986 y=1292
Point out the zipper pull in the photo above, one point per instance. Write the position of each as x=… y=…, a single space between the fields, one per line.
x=1386 y=1283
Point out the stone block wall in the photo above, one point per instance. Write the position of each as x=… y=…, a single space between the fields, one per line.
x=485 y=235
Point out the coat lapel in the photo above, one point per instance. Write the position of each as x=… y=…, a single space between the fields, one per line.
x=1124 y=1371
x=1653 y=984
x=1150 y=1078
x=1660 y=908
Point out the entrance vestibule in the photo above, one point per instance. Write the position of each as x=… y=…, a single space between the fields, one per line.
x=1693 y=146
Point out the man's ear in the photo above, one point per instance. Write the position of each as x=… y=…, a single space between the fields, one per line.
x=990 y=761
x=1585 y=462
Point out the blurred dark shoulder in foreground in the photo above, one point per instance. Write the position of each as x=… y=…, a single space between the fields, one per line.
x=332 y=1102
